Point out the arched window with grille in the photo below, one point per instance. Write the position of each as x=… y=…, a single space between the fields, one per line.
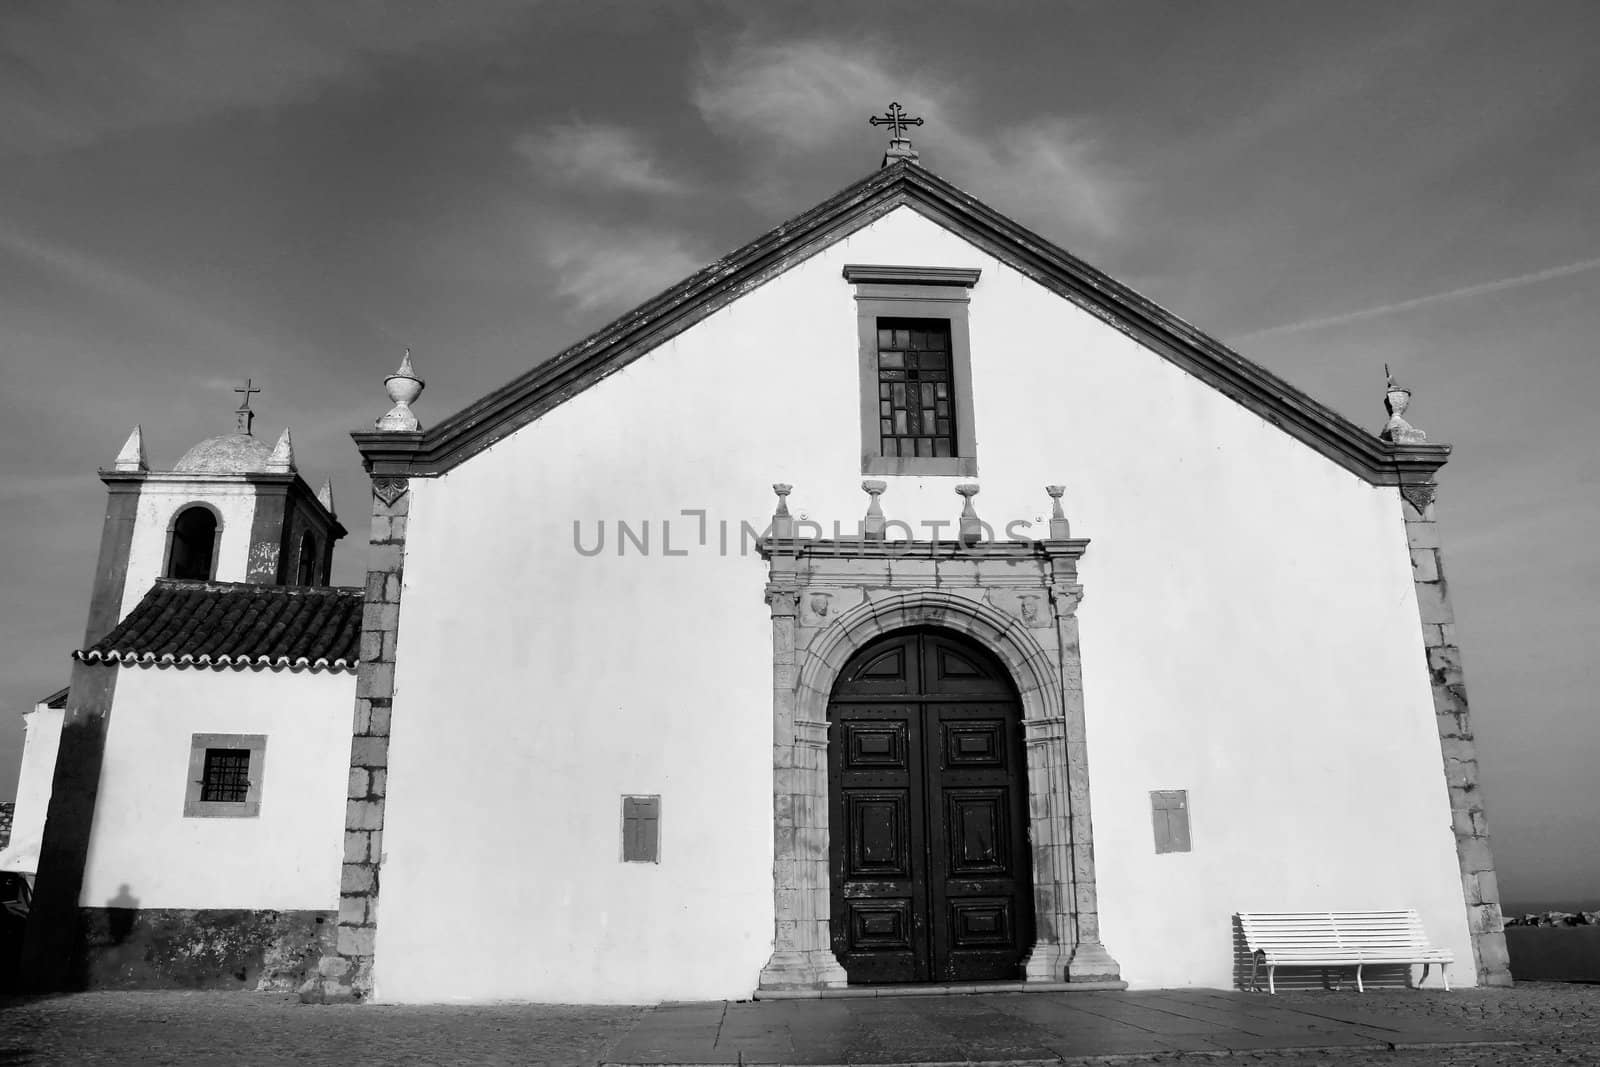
x=192 y=551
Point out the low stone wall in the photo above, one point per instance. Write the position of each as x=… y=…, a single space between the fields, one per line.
x=1554 y=953
x=261 y=951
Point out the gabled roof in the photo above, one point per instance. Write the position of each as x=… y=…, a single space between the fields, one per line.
x=220 y=624
x=450 y=442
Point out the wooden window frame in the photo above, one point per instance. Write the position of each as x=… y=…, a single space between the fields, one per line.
x=250 y=806
x=915 y=293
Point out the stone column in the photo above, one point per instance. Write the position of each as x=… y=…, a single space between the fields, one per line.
x=347 y=975
x=1048 y=816
x=802 y=954
x=1089 y=961
x=1455 y=736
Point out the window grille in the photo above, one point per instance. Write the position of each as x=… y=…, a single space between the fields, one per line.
x=915 y=401
x=227 y=776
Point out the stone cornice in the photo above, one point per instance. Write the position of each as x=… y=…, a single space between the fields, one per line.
x=854 y=548
x=288 y=484
x=965 y=277
x=554 y=381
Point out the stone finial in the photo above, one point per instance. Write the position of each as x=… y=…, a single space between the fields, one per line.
x=325 y=496
x=970 y=528
x=874 y=525
x=403 y=387
x=1396 y=399
x=282 y=459
x=1060 y=529
x=782 y=521
x=132 y=457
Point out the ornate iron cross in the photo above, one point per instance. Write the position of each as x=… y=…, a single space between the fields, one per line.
x=245 y=415
x=896 y=121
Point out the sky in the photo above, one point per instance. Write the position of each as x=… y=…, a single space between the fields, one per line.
x=193 y=193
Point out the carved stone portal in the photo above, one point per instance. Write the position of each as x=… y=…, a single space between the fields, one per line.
x=1019 y=600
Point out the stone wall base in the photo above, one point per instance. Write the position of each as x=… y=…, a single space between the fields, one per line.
x=178 y=948
x=803 y=969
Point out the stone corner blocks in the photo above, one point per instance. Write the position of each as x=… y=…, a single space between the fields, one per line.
x=346 y=976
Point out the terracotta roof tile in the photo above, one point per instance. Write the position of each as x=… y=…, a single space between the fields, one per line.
x=220 y=624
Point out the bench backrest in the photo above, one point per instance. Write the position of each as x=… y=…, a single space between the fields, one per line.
x=1399 y=930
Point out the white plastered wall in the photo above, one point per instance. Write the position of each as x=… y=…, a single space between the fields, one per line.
x=35 y=781
x=143 y=848
x=159 y=502
x=1250 y=634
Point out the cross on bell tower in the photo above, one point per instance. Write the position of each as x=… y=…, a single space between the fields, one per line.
x=899 y=143
x=244 y=417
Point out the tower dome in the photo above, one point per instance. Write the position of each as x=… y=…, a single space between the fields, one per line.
x=227 y=453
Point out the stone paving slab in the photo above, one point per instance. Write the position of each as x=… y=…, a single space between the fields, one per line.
x=1012 y=1028
x=1556 y=1025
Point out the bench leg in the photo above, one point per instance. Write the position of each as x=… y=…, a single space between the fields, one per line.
x=1359 y=987
x=1272 y=987
x=1255 y=961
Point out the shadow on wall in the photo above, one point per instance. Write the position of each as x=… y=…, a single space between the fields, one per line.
x=121 y=911
x=1299 y=978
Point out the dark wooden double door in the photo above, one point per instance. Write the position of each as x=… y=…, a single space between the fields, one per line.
x=928 y=809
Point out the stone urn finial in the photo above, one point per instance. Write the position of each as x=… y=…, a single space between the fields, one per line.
x=1060 y=529
x=1396 y=399
x=970 y=528
x=782 y=521
x=874 y=525
x=403 y=387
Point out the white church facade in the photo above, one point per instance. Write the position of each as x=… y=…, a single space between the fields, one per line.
x=897 y=600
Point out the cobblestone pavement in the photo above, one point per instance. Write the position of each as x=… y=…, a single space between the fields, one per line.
x=1555 y=1023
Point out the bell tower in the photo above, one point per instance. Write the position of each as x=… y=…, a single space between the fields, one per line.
x=232 y=509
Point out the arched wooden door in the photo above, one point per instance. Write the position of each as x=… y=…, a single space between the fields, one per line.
x=930 y=865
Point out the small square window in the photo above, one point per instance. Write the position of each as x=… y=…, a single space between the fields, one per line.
x=225 y=775
x=1169 y=812
x=641 y=829
x=226 y=778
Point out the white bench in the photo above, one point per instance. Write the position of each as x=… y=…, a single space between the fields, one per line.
x=1338 y=939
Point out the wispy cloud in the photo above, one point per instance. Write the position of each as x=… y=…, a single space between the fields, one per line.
x=598 y=266
x=789 y=95
x=104 y=278
x=73 y=71
x=590 y=155
x=1514 y=282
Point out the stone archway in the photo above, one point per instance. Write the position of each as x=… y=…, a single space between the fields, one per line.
x=1017 y=600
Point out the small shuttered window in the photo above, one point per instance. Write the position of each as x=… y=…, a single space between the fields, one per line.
x=641 y=829
x=1169 y=811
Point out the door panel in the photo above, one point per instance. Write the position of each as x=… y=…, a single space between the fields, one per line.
x=930 y=865
x=881 y=895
